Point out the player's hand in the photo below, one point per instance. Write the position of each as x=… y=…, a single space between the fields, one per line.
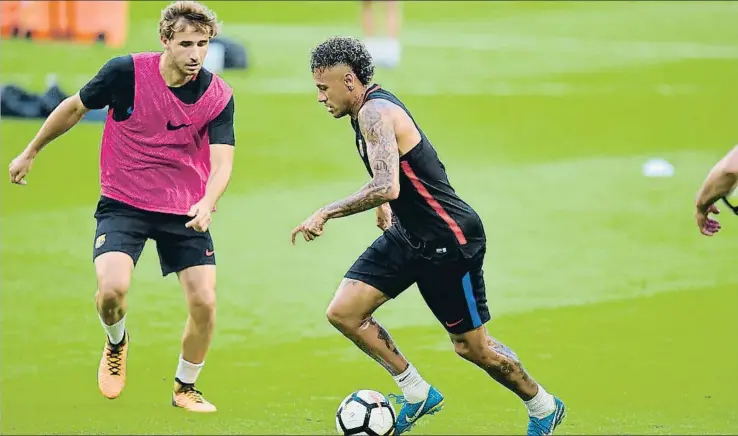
x=707 y=225
x=312 y=227
x=384 y=216
x=200 y=213
x=19 y=168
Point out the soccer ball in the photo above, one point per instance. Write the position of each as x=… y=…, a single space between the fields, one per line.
x=365 y=412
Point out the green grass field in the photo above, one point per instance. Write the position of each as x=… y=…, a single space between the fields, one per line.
x=543 y=114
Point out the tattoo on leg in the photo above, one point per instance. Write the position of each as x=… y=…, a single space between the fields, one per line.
x=502 y=348
x=376 y=358
x=502 y=364
x=506 y=368
x=497 y=360
x=384 y=335
x=511 y=359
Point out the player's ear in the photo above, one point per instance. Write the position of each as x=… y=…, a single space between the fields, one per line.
x=348 y=80
x=163 y=41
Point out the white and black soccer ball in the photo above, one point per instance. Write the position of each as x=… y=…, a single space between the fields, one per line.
x=366 y=412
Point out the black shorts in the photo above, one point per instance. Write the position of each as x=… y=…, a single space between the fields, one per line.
x=126 y=229
x=452 y=285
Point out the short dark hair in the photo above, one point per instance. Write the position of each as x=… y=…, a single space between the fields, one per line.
x=340 y=50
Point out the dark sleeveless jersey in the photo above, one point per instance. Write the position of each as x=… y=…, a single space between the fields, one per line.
x=427 y=209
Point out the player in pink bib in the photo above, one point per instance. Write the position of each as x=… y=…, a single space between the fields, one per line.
x=165 y=159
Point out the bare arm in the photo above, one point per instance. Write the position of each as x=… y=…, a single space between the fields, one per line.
x=376 y=121
x=221 y=163
x=720 y=181
x=96 y=94
x=64 y=117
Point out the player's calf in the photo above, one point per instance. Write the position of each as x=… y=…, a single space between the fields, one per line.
x=376 y=342
x=350 y=313
x=198 y=283
x=502 y=364
x=199 y=287
x=113 y=279
x=372 y=339
x=497 y=360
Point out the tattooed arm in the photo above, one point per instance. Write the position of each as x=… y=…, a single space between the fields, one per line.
x=377 y=123
x=376 y=120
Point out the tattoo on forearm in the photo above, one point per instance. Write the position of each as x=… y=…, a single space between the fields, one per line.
x=378 y=130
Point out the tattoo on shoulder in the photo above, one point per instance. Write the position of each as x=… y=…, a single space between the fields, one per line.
x=375 y=121
x=377 y=127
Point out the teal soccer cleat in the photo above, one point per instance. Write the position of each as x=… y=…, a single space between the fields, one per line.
x=547 y=424
x=412 y=412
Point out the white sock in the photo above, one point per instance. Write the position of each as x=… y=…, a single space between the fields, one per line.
x=414 y=388
x=541 y=405
x=116 y=331
x=187 y=372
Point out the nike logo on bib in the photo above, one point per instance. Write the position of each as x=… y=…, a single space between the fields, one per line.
x=171 y=126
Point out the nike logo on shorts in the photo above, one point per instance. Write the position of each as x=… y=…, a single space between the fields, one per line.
x=452 y=324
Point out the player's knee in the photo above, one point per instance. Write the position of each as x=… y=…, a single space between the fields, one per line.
x=199 y=287
x=341 y=319
x=468 y=350
x=334 y=317
x=112 y=289
x=202 y=304
x=463 y=349
x=353 y=305
x=113 y=270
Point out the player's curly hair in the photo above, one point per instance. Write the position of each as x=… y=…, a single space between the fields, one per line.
x=340 y=50
x=178 y=15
